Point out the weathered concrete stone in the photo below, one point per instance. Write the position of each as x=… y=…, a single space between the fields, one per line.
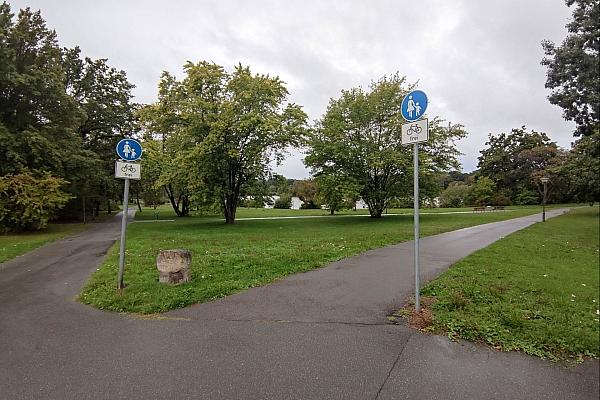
x=174 y=266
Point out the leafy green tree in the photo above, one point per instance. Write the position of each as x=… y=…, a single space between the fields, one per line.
x=514 y=161
x=574 y=67
x=454 y=176
x=526 y=196
x=58 y=114
x=455 y=195
x=306 y=190
x=38 y=118
x=481 y=191
x=583 y=168
x=37 y=115
x=224 y=129
x=103 y=95
x=28 y=202
x=360 y=137
x=277 y=184
x=335 y=192
x=162 y=171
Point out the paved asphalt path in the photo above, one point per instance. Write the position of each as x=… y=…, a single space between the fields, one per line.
x=317 y=335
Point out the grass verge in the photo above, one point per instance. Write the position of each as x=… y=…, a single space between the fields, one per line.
x=14 y=245
x=226 y=259
x=536 y=290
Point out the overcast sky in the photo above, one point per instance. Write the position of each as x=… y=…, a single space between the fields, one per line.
x=478 y=61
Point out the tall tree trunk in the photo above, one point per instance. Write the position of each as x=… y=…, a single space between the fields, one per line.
x=230 y=208
x=137 y=200
x=331 y=211
x=185 y=205
x=376 y=207
x=174 y=204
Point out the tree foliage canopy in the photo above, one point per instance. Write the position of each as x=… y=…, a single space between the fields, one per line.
x=59 y=114
x=223 y=129
x=28 y=202
x=359 y=137
x=574 y=67
x=515 y=161
x=582 y=168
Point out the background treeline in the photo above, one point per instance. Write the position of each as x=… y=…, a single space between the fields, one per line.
x=61 y=115
x=212 y=137
x=512 y=164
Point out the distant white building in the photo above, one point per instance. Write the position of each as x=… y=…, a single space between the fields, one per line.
x=296 y=202
x=361 y=205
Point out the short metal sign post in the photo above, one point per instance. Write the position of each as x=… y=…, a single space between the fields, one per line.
x=128 y=150
x=415 y=131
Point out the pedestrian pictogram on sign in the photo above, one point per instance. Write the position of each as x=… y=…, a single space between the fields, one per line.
x=414 y=105
x=129 y=149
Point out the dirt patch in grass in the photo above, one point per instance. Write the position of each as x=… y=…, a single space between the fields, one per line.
x=422 y=320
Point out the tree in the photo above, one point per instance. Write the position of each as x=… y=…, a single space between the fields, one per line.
x=28 y=202
x=224 y=129
x=335 y=191
x=277 y=185
x=455 y=195
x=37 y=115
x=38 y=144
x=481 y=191
x=574 y=68
x=161 y=170
x=360 y=137
x=513 y=161
x=306 y=190
x=58 y=114
x=583 y=168
x=103 y=95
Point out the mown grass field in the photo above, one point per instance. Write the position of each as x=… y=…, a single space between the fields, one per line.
x=165 y=211
x=230 y=258
x=536 y=290
x=13 y=245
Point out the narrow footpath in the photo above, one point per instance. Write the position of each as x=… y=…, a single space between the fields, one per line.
x=316 y=335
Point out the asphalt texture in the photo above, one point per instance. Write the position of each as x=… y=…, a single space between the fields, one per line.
x=317 y=335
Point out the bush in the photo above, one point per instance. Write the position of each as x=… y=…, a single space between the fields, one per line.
x=28 y=202
x=500 y=199
x=481 y=192
x=527 y=197
x=283 y=202
x=455 y=195
x=259 y=202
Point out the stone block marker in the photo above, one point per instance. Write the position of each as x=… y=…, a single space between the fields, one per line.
x=174 y=266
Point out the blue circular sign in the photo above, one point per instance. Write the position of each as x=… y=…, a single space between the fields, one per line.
x=129 y=149
x=414 y=105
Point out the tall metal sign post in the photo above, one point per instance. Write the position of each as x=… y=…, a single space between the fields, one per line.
x=415 y=131
x=128 y=150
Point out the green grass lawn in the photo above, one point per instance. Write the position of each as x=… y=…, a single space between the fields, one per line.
x=536 y=290
x=165 y=211
x=13 y=245
x=230 y=258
